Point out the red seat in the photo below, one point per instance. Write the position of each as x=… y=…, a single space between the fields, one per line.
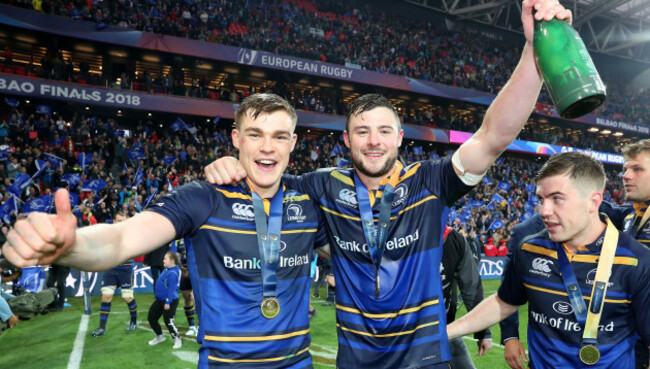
x=21 y=70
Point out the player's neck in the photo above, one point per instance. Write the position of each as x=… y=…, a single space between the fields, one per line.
x=265 y=192
x=371 y=182
x=589 y=235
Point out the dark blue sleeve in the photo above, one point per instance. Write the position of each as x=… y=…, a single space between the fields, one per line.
x=615 y=213
x=512 y=290
x=172 y=285
x=641 y=294
x=312 y=183
x=188 y=207
x=442 y=180
x=321 y=233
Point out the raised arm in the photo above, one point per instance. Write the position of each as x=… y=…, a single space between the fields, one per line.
x=510 y=110
x=46 y=239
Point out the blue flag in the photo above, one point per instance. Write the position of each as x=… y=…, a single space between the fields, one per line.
x=434 y=156
x=74 y=200
x=183 y=155
x=9 y=206
x=125 y=167
x=453 y=214
x=504 y=186
x=72 y=179
x=496 y=224
x=150 y=198
x=95 y=185
x=4 y=154
x=533 y=199
x=55 y=161
x=44 y=109
x=417 y=150
x=139 y=177
x=342 y=162
x=21 y=181
x=497 y=198
x=135 y=155
x=527 y=215
x=84 y=160
x=179 y=125
x=336 y=150
x=499 y=160
x=40 y=166
x=169 y=160
x=528 y=206
x=59 y=140
x=41 y=204
x=486 y=181
x=216 y=119
x=12 y=102
x=476 y=204
x=530 y=187
x=490 y=206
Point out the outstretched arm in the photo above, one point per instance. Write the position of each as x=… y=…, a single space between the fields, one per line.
x=46 y=238
x=510 y=110
x=489 y=312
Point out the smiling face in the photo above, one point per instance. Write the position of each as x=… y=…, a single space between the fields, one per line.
x=265 y=143
x=373 y=137
x=636 y=177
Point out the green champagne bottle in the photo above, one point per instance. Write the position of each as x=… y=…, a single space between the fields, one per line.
x=567 y=68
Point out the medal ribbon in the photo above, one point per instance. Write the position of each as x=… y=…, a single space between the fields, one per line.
x=590 y=318
x=376 y=240
x=646 y=216
x=268 y=239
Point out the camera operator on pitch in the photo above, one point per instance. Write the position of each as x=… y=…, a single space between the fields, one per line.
x=21 y=305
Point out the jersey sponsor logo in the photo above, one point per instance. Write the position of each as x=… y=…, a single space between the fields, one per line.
x=255 y=263
x=243 y=211
x=393 y=244
x=540 y=266
x=565 y=324
x=563 y=308
x=591 y=276
x=401 y=192
x=347 y=197
x=160 y=203
x=294 y=213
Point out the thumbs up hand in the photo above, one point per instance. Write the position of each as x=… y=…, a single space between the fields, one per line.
x=42 y=238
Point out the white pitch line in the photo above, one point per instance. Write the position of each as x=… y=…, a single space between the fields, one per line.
x=78 y=349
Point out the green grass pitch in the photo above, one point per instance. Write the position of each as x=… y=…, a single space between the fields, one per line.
x=48 y=341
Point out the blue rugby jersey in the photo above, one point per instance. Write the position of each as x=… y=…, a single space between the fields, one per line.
x=554 y=335
x=218 y=224
x=406 y=326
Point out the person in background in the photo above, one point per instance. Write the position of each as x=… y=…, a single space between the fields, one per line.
x=166 y=292
x=119 y=277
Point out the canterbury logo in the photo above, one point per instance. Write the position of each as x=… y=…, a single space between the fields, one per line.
x=243 y=210
x=541 y=264
x=348 y=196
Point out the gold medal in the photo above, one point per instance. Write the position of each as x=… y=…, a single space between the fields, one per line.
x=270 y=307
x=589 y=354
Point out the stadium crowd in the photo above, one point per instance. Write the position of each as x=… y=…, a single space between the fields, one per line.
x=108 y=167
x=335 y=31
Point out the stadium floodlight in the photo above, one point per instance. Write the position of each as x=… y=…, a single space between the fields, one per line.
x=593 y=129
x=606 y=132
